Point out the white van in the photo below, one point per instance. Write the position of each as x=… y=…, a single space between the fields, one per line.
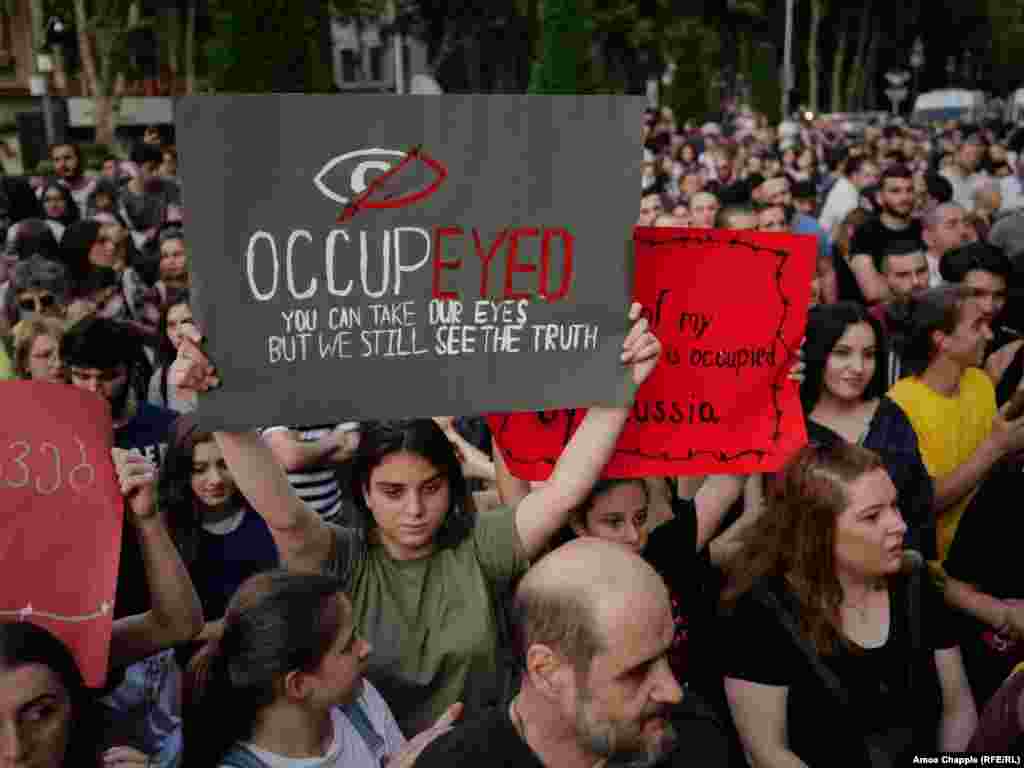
x=949 y=104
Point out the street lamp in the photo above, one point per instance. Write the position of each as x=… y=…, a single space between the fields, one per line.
x=917 y=61
x=951 y=69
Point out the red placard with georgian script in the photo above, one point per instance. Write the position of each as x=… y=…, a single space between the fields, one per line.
x=62 y=515
x=730 y=309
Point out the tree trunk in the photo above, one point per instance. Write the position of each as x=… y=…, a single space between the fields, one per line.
x=855 y=82
x=817 y=11
x=60 y=72
x=106 y=124
x=85 y=47
x=838 y=67
x=171 y=43
x=97 y=82
x=105 y=86
x=190 y=46
x=871 y=68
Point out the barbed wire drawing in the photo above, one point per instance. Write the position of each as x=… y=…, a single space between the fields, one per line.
x=28 y=612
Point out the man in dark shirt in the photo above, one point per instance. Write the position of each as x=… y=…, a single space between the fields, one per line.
x=147 y=199
x=105 y=358
x=140 y=706
x=895 y=222
x=595 y=631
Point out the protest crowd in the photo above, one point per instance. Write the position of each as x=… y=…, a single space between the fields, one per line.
x=388 y=593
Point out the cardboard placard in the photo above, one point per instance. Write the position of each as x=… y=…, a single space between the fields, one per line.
x=730 y=309
x=376 y=256
x=62 y=517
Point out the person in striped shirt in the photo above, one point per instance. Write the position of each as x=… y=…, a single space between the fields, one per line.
x=311 y=457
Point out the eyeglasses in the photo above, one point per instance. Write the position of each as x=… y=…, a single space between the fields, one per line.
x=38 y=303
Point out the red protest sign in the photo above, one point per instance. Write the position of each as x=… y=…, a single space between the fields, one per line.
x=62 y=517
x=730 y=310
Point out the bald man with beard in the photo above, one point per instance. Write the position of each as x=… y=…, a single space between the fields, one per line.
x=595 y=626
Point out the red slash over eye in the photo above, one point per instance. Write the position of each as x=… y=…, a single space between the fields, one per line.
x=373 y=197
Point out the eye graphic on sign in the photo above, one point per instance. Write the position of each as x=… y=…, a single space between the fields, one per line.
x=390 y=186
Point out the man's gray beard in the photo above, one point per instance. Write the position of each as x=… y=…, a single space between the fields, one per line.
x=599 y=742
x=649 y=757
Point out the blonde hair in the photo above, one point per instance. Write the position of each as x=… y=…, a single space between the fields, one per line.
x=25 y=334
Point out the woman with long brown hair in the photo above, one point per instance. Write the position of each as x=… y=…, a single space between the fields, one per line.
x=842 y=637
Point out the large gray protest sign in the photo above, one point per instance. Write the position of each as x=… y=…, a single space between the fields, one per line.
x=375 y=256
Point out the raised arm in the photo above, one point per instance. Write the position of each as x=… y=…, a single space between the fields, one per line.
x=475 y=463
x=303 y=540
x=295 y=455
x=176 y=615
x=871 y=283
x=545 y=510
x=511 y=489
x=725 y=546
x=712 y=501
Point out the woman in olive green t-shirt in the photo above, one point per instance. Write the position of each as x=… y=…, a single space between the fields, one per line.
x=423 y=570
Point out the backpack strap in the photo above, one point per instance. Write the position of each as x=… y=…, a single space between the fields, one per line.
x=831 y=681
x=241 y=757
x=364 y=727
x=914 y=587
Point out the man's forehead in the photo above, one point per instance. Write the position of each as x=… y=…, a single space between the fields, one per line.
x=635 y=630
x=909 y=259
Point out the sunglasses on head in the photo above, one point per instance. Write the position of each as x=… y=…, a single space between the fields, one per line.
x=37 y=303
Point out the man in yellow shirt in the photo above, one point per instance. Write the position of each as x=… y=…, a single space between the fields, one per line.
x=951 y=404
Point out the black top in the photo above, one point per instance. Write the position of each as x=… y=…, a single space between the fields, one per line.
x=984 y=549
x=491 y=740
x=1011 y=377
x=488 y=740
x=871 y=238
x=147 y=433
x=756 y=647
x=672 y=551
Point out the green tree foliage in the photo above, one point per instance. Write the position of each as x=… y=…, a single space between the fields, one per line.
x=562 y=50
x=1006 y=27
x=276 y=46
